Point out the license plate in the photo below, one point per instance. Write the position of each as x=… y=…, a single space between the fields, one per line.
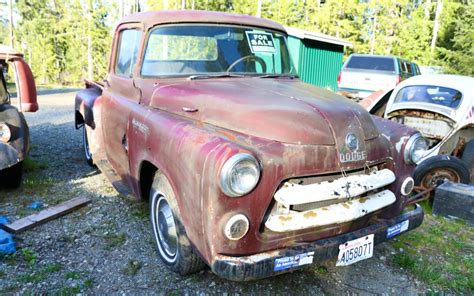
x=355 y=250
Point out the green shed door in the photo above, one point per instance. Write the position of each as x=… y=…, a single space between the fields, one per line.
x=319 y=63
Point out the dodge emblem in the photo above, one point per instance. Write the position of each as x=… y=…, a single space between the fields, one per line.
x=352 y=142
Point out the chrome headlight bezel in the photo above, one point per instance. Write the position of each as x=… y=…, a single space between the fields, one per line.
x=228 y=168
x=5 y=132
x=410 y=147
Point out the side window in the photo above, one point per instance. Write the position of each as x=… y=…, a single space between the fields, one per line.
x=129 y=41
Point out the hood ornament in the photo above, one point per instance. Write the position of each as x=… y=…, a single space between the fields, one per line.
x=352 y=142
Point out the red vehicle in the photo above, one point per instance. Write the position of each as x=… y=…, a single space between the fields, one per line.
x=246 y=168
x=14 y=132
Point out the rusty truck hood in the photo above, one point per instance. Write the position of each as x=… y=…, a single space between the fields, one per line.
x=284 y=110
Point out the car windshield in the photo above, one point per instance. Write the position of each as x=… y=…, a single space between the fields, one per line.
x=213 y=50
x=429 y=94
x=371 y=63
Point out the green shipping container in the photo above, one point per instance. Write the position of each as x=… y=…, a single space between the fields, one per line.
x=317 y=57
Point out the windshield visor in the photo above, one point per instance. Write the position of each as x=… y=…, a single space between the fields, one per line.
x=207 y=49
x=436 y=95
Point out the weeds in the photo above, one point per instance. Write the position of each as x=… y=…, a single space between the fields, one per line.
x=439 y=253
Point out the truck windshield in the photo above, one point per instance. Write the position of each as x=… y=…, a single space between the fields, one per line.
x=429 y=94
x=209 y=49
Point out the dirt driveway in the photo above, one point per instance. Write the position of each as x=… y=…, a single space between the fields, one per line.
x=107 y=248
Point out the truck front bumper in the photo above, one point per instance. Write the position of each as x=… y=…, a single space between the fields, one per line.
x=262 y=265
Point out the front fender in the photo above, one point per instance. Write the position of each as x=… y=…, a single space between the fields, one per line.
x=84 y=103
x=17 y=148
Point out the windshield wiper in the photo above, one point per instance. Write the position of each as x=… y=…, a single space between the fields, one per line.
x=209 y=76
x=278 y=76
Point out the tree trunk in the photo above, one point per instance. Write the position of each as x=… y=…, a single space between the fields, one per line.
x=183 y=4
x=439 y=8
x=10 y=25
x=259 y=8
x=89 y=43
x=165 y=4
x=372 y=41
x=427 y=9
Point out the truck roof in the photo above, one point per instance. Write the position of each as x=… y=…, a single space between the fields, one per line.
x=153 y=18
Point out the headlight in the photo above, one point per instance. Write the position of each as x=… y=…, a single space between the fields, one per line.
x=5 y=133
x=415 y=149
x=239 y=175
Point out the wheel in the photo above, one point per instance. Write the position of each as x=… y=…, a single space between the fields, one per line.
x=11 y=177
x=174 y=247
x=438 y=169
x=250 y=58
x=85 y=144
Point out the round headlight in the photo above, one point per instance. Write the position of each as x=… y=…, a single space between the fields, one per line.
x=415 y=149
x=5 y=133
x=239 y=175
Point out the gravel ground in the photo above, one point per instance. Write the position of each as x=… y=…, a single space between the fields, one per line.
x=107 y=247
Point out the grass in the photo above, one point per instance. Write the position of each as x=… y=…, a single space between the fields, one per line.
x=29 y=256
x=114 y=240
x=440 y=253
x=39 y=275
x=132 y=267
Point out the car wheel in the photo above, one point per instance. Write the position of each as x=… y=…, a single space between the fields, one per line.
x=85 y=144
x=174 y=247
x=11 y=177
x=438 y=169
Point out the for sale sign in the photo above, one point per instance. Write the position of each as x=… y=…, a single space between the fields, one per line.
x=260 y=42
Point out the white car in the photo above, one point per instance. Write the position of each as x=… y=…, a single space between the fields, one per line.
x=441 y=107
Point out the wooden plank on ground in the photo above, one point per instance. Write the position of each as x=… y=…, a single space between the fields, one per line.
x=46 y=215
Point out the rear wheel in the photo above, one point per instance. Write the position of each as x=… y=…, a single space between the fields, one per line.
x=85 y=143
x=438 y=169
x=174 y=247
x=468 y=157
x=11 y=177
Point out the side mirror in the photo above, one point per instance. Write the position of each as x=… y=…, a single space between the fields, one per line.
x=26 y=87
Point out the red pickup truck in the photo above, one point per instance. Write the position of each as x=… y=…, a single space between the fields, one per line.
x=14 y=132
x=246 y=168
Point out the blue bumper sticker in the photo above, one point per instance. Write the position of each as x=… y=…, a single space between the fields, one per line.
x=293 y=261
x=397 y=229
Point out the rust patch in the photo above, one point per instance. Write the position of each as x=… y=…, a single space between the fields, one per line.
x=349 y=202
x=199 y=124
x=229 y=136
x=310 y=214
x=325 y=209
x=283 y=218
x=346 y=205
x=363 y=199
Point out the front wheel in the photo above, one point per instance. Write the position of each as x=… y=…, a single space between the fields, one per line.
x=440 y=168
x=11 y=177
x=85 y=144
x=174 y=247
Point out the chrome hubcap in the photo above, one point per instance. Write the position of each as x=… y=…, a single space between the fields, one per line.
x=166 y=227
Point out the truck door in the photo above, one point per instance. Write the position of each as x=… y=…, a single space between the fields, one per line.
x=120 y=96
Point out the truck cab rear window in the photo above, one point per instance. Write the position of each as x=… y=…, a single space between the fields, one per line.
x=371 y=63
